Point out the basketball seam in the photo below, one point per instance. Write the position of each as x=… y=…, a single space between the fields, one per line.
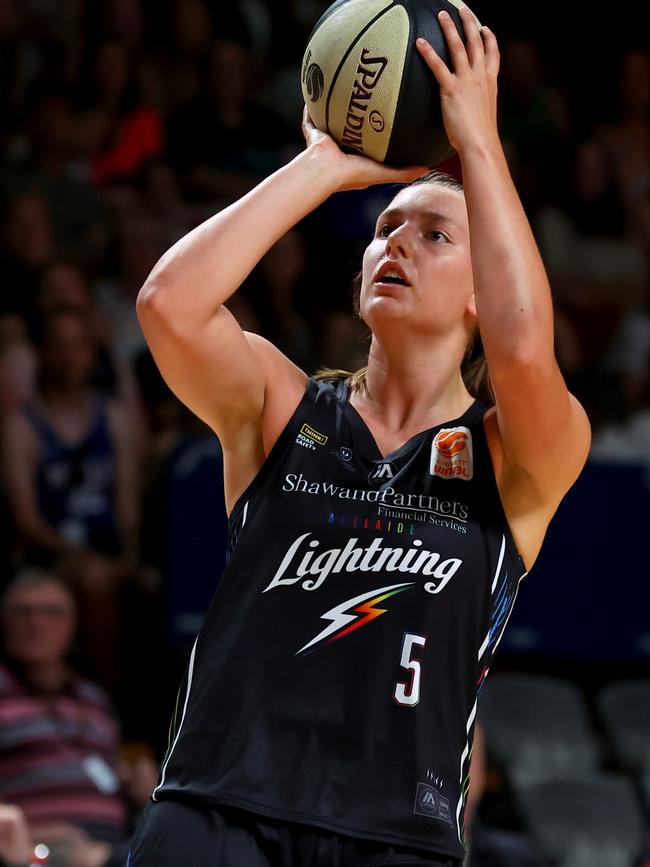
x=401 y=107
x=344 y=58
x=325 y=17
x=405 y=79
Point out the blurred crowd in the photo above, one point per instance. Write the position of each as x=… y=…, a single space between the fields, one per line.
x=124 y=124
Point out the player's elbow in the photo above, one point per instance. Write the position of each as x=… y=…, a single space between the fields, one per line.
x=166 y=305
x=149 y=297
x=157 y=307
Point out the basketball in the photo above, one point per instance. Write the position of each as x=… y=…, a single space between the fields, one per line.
x=365 y=83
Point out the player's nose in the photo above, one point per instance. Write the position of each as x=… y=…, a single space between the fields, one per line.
x=399 y=242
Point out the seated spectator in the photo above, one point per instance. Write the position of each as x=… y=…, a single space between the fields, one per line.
x=628 y=138
x=47 y=163
x=596 y=269
x=221 y=142
x=186 y=35
x=60 y=284
x=161 y=194
x=17 y=374
x=630 y=352
x=71 y=480
x=139 y=242
x=119 y=132
x=59 y=739
x=26 y=244
x=279 y=287
x=535 y=120
x=64 y=284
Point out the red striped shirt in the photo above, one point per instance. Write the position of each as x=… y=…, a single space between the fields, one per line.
x=45 y=745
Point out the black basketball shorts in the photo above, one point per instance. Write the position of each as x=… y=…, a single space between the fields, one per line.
x=175 y=834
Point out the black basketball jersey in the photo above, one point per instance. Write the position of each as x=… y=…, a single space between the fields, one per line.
x=336 y=677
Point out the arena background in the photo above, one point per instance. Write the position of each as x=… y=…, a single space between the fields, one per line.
x=126 y=123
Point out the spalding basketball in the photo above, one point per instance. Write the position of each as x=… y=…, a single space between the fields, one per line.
x=365 y=83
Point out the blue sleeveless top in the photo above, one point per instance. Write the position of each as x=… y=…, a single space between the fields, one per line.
x=76 y=482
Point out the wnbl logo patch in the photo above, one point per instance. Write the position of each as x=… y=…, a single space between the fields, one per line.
x=452 y=455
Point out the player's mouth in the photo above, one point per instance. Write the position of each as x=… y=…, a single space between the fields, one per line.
x=391 y=274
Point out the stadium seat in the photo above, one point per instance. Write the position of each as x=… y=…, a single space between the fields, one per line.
x=624 y=708
x=538 y=728
x=596 y=823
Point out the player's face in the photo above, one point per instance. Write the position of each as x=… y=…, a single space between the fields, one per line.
x=423 y=237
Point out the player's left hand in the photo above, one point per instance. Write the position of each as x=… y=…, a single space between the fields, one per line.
x=468 y=91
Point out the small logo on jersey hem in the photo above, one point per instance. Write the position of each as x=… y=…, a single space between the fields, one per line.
x=452 y=454
x=310 y=438
x=430 y=803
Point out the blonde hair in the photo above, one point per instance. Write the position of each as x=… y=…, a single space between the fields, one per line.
x=474 y=369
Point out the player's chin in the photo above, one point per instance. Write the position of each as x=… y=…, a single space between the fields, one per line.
x=387 y=305
x=397 y=291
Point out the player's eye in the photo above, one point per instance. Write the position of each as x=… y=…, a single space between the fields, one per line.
x=438 y=237
x=384 y=230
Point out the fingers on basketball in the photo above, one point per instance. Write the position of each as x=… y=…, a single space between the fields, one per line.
x=475 y=48
x=456 y=46
x=433 y=60
x=492 y=55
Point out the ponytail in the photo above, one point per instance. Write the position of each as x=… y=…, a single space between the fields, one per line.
x=475 y=372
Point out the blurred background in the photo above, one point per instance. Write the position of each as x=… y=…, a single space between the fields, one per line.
x=125 y=123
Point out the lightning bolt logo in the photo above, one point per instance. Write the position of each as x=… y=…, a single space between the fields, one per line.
x=343 y=622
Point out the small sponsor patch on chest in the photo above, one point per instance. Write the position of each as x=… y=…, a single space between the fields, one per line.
x=452 y=455
x=309 y=438
x=314 y=435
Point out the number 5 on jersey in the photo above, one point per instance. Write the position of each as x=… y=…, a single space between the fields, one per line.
x=408 y=694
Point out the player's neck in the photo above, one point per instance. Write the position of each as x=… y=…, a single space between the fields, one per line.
x=413 y=389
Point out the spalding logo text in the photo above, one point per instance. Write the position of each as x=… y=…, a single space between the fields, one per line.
x=369 y=72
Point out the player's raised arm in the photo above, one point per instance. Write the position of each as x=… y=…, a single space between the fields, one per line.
x=543 y=430
x=216 y=369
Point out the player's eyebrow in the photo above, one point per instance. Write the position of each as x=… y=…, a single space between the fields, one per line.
x=434 y=216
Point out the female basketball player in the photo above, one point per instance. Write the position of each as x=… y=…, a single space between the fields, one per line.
x=378 y=532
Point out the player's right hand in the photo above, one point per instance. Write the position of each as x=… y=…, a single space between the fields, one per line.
x=353 y=171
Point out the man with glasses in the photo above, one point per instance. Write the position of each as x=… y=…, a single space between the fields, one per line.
x=59 y=739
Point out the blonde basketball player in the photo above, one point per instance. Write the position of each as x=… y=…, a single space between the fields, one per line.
x=380 y=525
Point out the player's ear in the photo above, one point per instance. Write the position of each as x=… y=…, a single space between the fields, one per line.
x=471 y=306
